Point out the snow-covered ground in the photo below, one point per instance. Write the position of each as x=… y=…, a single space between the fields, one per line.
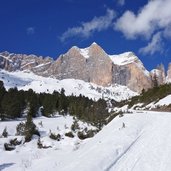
x=140 y=141
x=166 y=101
x=28 y=156
x=25 y=81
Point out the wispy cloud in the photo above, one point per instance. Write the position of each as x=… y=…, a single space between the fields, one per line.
x=121 y=2
x=155 y=15
x=167 y=32
x=30 y=30
x=156 y=45
x=86 y=29
x=152 y=22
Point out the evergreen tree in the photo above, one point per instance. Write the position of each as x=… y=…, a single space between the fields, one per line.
x=2 y=93
x=32 y=102
x=5 y=133
x=30 y=129
x=12 y=103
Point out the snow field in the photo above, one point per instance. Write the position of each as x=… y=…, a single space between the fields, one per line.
x=26 y=81
x=134 y=142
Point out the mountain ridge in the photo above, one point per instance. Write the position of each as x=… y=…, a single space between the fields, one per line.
x=90 y=64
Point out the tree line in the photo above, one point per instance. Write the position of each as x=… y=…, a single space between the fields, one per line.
x=16 y=103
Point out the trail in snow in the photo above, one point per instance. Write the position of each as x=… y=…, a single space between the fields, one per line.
x=144 y=145
x=148 y=151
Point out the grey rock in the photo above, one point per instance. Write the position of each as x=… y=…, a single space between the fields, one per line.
x=92 y=64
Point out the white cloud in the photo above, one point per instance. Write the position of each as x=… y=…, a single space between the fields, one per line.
x=30 y=30
x=155 y=15
x=121 y=2
x=86 y=29
x=167 y=32
x=154 y=46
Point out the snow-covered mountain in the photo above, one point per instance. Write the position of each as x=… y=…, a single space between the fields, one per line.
x=28 y=80
x=91 y=64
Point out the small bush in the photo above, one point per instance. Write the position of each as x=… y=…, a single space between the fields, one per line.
x=55 y=136
x=83 y=135
x=41 y=124
x=91 y=133
x=75 y=126
x=9 y=147
x=5 y=133
x=20 y=129
x=69 y=134
x=15 y=142
x=40 y=145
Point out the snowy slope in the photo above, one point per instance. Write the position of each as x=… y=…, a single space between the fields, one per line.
x=27 y=156
x=165 y=101
x=25 y=81
x=142 y=145
x=124 y=58
x=162 y=102
x=128 y=58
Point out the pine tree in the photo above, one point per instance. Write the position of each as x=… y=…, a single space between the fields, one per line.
x=2 y=93
x=12 y=103
x=5 y=133
x=30 y=129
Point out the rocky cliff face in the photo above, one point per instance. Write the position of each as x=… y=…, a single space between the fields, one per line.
x=128 y=70
x=158 y=75
x=13 y=62
x=91 y=64
x=169 y=73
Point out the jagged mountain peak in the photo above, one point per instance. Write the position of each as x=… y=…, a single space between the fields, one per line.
x=93 y=50
x=94 y=43
x=90 y=64
x=124 y=58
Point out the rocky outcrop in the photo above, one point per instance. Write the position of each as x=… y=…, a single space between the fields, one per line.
x=158 y=75
x=169 y=73
x=96 y=68
x=13 y=62
x=139 y=78
x=91 y=64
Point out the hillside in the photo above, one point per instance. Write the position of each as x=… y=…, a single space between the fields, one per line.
x=28 y=80
x=157 y=98
x=134 y=142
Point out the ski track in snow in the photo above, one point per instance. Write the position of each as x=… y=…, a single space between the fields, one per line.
x=150 y=150
x=143 y=145
x=130 y=159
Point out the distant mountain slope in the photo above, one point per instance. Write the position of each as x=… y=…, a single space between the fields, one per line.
x=157 y=99
x=91 y=64
x=25 y=81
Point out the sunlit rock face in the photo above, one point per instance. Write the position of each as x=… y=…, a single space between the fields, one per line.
x=91 y=64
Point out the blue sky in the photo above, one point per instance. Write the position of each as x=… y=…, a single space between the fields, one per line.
x=51 y=27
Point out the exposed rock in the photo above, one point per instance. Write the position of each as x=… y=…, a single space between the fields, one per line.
x=13 y=62
x=91 y=64
x=97 y=68
x=169 y=73
x=132 y=74
x=158 y=75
